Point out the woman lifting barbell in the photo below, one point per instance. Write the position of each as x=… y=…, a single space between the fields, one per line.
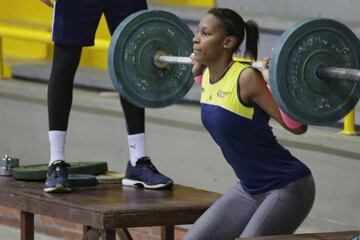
x=276 y=191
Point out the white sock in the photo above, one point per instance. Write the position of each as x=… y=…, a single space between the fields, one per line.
x=57 y=145
x=137 y=148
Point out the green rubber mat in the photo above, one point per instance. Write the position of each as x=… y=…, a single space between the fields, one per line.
x=38 y=172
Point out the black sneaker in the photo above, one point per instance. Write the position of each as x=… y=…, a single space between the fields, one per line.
x=145 y=175
x=57 y=178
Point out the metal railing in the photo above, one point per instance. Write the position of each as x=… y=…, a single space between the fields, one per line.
x=33 y=35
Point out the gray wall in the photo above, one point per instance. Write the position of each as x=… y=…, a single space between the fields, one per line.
x=346 y=10
x=277 y=13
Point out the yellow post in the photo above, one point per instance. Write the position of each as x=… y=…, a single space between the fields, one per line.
x=1 y=60
x=5 y=70
x=349 y=124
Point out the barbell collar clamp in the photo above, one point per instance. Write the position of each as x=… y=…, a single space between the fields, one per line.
x=7 y=164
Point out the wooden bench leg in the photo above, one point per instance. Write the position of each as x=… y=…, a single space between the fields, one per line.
x=27 y=225
x=108 y=234
x=123 y=234
x=167 y=232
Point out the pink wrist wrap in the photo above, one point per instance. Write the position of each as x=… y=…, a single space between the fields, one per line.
x=290 y=123
x=198 y=79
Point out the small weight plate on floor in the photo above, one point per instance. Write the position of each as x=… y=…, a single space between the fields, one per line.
x=38 y=172
x=110 y=177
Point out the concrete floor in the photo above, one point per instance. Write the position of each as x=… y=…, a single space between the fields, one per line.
x=9 y=233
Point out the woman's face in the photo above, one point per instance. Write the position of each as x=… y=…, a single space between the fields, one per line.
x=208 y=43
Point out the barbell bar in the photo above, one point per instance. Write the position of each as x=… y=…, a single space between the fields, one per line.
x=160 y=59
x=339 y=73
x=313 y=70
x=322 y=72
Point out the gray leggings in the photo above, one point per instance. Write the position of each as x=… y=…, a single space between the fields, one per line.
x=238 y=213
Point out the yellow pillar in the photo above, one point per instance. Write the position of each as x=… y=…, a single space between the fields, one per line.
x=349 y=124
x=5 y=70
x=1 y=60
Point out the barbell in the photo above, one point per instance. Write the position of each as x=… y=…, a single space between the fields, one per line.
x=313 y=71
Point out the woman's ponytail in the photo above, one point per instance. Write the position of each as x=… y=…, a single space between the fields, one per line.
x=252 y=40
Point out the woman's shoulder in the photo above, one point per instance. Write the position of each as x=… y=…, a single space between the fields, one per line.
x=250 y=76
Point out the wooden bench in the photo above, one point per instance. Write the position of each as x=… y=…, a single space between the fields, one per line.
x=28 y=32
x=346 y=235
x=106 y=207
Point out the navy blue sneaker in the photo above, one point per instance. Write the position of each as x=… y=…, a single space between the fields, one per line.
x=145 y=175
x=57 y=178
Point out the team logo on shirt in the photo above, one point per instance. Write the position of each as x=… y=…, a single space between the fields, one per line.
x=222 y=93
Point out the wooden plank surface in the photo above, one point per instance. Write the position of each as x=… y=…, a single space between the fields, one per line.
x=345 y=235
x=109 y=205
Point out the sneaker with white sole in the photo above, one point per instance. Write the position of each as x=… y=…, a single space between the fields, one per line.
x=57 y=178
x=144 y=174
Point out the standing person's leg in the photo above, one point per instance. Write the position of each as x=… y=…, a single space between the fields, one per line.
x=65 y=63
x=74 y=26
x=140 y=170
x=283 y=210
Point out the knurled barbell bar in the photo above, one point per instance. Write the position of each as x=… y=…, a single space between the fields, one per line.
x=161 y=60
x=310 y=69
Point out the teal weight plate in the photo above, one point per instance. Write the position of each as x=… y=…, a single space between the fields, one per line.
x=131 y=67
x=295 y=84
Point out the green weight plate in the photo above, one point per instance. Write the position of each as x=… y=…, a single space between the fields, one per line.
x=110 y=177
x=38 y=172
x=130 y=58
x=298 y=53
x=82 y=180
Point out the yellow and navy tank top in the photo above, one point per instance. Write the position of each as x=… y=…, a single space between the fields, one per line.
x=245 y=137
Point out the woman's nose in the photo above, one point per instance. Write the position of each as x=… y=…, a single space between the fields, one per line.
x=195 y=38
